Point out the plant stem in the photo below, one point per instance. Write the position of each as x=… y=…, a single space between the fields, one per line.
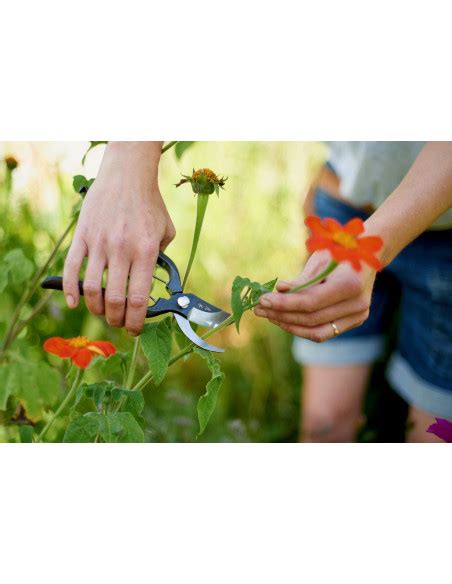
x=330 y=267
x=64 y=403
x=201 y=207
x=133 y=363
x=30 y=290
x=168 y=146
x=36 y=310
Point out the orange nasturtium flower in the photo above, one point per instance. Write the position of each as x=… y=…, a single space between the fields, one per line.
x=79 y=349
x=344 y=241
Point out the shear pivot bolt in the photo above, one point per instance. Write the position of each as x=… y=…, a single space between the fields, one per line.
x=183 y=301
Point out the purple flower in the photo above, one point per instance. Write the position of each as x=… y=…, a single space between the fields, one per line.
x=441 y=428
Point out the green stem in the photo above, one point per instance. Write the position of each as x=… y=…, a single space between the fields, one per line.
x=168 y=146
x=201 y=207
x=133 y=363
x=36 y=310
x=330 y=267
x=30 y=290
x=64 y=403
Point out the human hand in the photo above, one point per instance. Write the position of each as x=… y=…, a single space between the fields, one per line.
x=343 y=298
x=122 y=226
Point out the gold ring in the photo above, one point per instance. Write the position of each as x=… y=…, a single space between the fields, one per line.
x=335 y=329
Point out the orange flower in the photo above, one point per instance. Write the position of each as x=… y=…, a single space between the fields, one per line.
x=79 y=349
x=344 y=241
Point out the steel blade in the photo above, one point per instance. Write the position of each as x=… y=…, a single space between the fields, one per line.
x=207 y=319
x=185 y=327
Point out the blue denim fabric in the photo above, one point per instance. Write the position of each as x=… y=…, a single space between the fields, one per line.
x=416 y=288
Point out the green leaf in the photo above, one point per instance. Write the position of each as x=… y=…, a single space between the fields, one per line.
x=5 y=386
x=117 y=427
x=156 y=344
x=26 y=433
x=238 y=303
x=3 y=277
x=80 y=182
x=91 y=146
x=238 y=285
x=82 y=428
x=35 y=385
x=20 y=268
x=181 y=147
x=208 y=401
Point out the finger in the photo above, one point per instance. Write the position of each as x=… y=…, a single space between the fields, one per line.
x=71 y=273
x=319 y=317
x=115 y=294
x=334 y=289
x=138 y=294
x=324 y=332
x=92 y=284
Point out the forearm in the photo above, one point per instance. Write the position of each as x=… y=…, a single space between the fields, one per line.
x=423 y=195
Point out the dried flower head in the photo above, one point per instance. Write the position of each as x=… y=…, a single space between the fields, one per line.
x=11 y=163
x=203 y=181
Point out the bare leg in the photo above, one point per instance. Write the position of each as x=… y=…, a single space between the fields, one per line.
x=418 y=422
x=332 y=399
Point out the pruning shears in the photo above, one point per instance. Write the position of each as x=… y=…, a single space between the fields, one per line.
x=186 y=308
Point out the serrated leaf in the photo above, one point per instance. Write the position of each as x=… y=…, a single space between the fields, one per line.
x=208 y=401
x=117 y=427
x=156 y=344
x=92 y=145
x=181 y=147
x=20 y=268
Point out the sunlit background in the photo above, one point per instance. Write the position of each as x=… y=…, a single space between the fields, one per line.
x=254 y=229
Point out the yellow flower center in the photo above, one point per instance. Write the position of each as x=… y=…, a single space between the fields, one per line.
x=79 y=342
x=207 y=173
x=345 y=240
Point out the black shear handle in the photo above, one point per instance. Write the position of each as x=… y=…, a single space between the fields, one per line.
x=174 y=285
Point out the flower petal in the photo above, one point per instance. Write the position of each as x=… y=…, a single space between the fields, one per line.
x=314 y=223
x=82 y=358
x=370 y=259
x=354 y=227
x=59 y=346
x=104 y=346
x=315 y=243
x=371 y=243
x=332 y=225
x=441 y=428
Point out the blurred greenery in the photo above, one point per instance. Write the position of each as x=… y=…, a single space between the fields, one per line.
x=254 y=229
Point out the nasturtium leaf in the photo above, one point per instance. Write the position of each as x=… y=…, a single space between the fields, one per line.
x=156 y=344
x=181 y=147
x=92 y=145
x=208 y=401
x=26 y=433
x=20 y=268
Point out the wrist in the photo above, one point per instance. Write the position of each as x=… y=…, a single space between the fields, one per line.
x=137 y=160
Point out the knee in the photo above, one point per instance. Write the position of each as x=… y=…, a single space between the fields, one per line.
x=329 y=424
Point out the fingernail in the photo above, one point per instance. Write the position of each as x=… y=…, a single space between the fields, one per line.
x=70 y=301
x=265 y=302
x=260 y=312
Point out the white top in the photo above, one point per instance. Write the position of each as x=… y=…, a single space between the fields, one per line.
x=370 y=171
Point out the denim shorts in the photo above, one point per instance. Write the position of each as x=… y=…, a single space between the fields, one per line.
x=413 y=297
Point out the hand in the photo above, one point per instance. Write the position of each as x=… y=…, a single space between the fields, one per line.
x=122 y=226
x=343 y=298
